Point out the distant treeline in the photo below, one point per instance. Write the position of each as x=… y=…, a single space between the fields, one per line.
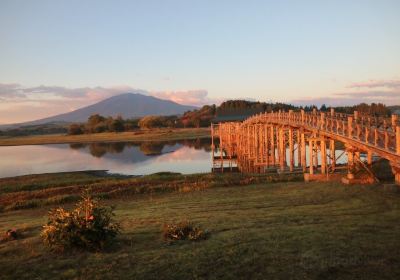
x=39 y=129
x=97 y=123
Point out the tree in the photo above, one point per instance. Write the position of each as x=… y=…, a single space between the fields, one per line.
x=95 y=123
x=75 y=129
x=115 y=125
x=150 y=122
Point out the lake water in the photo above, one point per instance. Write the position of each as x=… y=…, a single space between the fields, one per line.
x=129 y=158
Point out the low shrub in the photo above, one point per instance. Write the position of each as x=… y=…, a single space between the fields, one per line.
x=11 y=234
x=183 y=231
x=88 y=226
x=27 y=204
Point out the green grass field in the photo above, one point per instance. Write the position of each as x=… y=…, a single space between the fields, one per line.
x=162 y=134
x=277 y=230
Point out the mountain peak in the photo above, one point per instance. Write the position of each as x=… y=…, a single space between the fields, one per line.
x=127 y=105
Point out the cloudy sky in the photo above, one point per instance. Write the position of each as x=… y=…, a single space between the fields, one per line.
x=57 y=56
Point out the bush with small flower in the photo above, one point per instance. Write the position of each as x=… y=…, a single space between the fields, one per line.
x=89 y=226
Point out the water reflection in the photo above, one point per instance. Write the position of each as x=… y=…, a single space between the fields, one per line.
x=132 y=158
x=149 y=148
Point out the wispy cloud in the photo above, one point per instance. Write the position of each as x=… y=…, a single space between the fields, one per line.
x=189 y=97
x=8 y=91
x=372 y=91
x=377 y=84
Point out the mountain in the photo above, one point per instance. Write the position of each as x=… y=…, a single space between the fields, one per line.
x=128 y=105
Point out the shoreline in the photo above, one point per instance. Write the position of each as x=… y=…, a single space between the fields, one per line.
x=109 y=137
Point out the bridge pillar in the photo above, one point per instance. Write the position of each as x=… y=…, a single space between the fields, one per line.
x=303 y=152
x=396 y=172
x=350 y=163
x=398 y=140
x=282 y=147
x=332 y=154
x=291 y=150
x=369 y=158
x=394 y=121
x=311 y=151
x=272 y=135
x=323 y=155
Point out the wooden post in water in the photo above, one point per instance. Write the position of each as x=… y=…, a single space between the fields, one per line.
x=332 y=153
x=398 y=140
x=272 y=135
x=350 y=162
x=311 y=152
x=303 y=152
x=220 y=148
x=212 y=142
x=281 y=149
x=369 y=157
x=267 y=150
x=315 y=159
x=323 y=155
x=291 y=150
x=298 y=147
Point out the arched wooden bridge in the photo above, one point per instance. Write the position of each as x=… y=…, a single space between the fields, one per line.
x=308 y=142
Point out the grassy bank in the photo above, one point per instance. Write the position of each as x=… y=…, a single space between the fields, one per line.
x=32 y=191
x=141 y=135
x=278 y=230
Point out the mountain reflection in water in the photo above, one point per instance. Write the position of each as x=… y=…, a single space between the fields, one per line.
x=131 y=158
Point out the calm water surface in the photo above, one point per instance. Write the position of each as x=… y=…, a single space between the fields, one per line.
x=130 y=158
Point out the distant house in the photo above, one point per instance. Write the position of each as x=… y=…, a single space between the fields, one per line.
x=235 y=115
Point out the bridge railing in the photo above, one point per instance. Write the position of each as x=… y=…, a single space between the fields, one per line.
x=381 y=133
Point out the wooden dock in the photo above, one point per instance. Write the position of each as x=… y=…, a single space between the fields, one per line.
x=293 y=141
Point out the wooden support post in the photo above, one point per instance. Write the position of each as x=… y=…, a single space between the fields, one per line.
x=322 y=121
x=323 y=156
x=212 y=142
x=396 y=173
x=398 y=140
x=332 y=153
x=291 y=150
x=220 y=147
x=394 y=121
x=369 y=158
x=315 y=159
x=272 y=135
x=267 y=150
x=281 y=149
x=350 y=163
x=311 y=152
x=303 y=152
x=350 y=127
x=298 y=147
x=386 y=139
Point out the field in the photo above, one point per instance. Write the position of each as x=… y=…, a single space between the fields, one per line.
x=140 y=135
x=260 y=228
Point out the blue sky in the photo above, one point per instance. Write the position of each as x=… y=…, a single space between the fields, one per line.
x=196 y=52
